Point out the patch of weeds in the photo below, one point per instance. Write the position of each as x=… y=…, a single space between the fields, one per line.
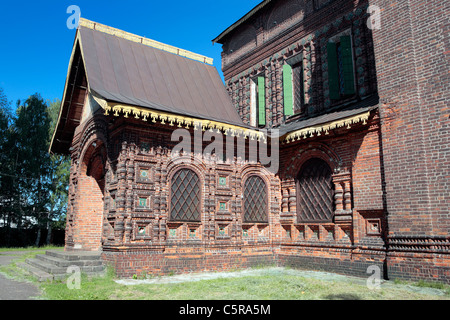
x=91 y=288
x=43 y=248
x=13 y=269
x=398 y=281
x=435 y=285
x=426 y=284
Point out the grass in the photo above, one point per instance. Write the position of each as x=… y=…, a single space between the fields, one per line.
x=12 y=270
x=288 y=284
x=2 y=250
x=282 y=286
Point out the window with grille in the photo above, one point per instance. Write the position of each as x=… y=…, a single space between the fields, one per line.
x=315 y=192
x=297 y=84
x=293 y=90
x=255 y=200
x=185 y=196
x=258 y=101
x=340 y=68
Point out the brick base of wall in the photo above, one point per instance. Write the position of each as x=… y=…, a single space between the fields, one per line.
x=418 y=266
x=156 y=261
x=349 y=267
x=163 y=261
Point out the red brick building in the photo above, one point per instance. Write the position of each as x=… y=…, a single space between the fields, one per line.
x=358 y=122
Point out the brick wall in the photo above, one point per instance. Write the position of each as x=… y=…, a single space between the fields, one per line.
x=276 y=242
x=142 y=262
x=391 y=173
x=90 y=207
x=306 y=35
x=413 y=87
x=411 y=51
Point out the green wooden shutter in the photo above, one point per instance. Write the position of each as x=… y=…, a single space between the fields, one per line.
x=261 y=101
x=333 y=71
x=347 y=63
x=287 y=90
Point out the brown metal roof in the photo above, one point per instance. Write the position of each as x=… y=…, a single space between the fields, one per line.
x=131 y=73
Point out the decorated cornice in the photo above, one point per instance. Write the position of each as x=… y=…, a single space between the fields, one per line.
x=180 y=121
x=164 y=118
x=326 y=127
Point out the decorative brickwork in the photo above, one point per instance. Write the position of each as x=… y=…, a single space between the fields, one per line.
x=376 y=168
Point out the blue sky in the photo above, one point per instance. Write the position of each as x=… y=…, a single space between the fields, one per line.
x=35 y=43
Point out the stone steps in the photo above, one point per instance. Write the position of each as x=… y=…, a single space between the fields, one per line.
x=54 y=264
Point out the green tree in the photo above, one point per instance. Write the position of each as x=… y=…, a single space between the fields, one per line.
x=33 y=182
x=6 y=169
x=33 y=160
x=59 y=176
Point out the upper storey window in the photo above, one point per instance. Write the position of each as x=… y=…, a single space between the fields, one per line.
x=340 y=67
x=293 y=89
x=258 y=101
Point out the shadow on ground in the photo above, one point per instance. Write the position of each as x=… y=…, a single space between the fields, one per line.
x=342 y=296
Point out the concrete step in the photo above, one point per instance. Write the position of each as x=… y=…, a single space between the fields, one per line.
x=45 y=266
x=54 y=269
x=66 y=263
x=38 y=273
x=75 y=255
x=54 y=264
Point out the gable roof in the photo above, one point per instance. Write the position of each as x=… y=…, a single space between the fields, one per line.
x=124 y=71
x=130 y=70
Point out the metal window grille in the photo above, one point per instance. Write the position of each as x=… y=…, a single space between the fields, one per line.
x=340 y=68
x=315 y=192
x=255 y=200
x=185 y=196
x=297 y=80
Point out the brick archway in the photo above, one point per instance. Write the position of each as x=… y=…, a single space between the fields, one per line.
x=91 y=186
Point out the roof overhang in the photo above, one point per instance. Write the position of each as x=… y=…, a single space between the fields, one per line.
x=75 y=89
x=324 y=128
x=345 y=116
x=77 y=85
x=177 y=120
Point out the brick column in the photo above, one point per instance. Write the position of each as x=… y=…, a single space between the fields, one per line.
x=343 y=211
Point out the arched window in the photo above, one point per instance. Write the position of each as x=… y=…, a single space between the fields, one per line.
x=185 y=196
x=315 y=192
x=255 y=200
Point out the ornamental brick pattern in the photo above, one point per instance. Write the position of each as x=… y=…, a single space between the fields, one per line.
x=389 y=173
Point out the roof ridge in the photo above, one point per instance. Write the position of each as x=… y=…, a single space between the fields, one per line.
x=142 y=40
